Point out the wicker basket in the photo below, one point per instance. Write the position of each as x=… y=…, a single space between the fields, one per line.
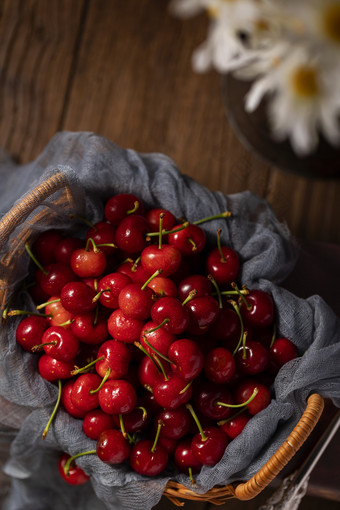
x=56 y=188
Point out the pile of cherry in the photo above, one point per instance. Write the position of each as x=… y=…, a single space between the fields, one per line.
x=150 y=338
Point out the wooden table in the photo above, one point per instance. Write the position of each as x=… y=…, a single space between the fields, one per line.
x=122 y=69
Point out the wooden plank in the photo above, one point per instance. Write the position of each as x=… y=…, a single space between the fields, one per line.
x=37 y=46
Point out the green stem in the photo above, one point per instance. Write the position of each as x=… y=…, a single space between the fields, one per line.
x=90 y=240
x=36 y=348
x=26 y=312
x=223 y=422
x=236 y=406
x=156 y=273
x=219 y=247
x=35 y=260
x=159 y=426
x=71 y=459
x=189 y=297
x=135 y=208
x=89 y=365
x=199 y=426
x=97 y=296
x=164 y=321
x=273 y=336
x=225 y=214
x=161 y=217
x=103 y=381
x=135 y=264
x=241 y=293
x=54 y=410
x=167 y=232
x=51 y=302
x=218 y=292
x=155 y=350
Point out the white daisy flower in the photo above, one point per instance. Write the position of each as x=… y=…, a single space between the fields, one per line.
x=303 y=100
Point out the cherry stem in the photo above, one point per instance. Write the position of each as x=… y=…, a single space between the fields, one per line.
x=236 y=406
x=193 y=244
x=167 y=232
x=135 y=264
x=164 y=321
x=4 y=314
x=135 y=208
x=71 y=459
x=218 y=292
x=199 y=426
x=97 y=296
x=51 y=302
x=156 y=273
x=159 y=426
x=87 y=247
x=67 y=323
x=84 y=220
x=96 y=315
x=156 y=351
x=35 y=260
x=36 y=348
x=189 y=297
x=157 y=363
x=54 y=410
x=110 y=245
x=105 y=378
x=225 y=214
x=192 y=481
x=237 y=310
x=219 y=247
x=26 y=312
x=186 y=387
x=122 y=427
x=241 y=294
x=223 y=422
x=273 y=336
x=145 y=413
x=161 y=217
x=83 y=369
x=244 y=341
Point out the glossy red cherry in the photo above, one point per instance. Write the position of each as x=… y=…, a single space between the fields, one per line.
x=109 y=288
x=88 y=262
x=67 y=403
x=201 y=284
x=77 y=298
x=65 y=247
x=223 y=264
x=135 y=421
x=235 y=425
x=103 y=233
x=190 y=240
x=117 y=396
x=156 y=340
x=203 y=311
x=44 y=246
x=121 y=205
x=172 y=393
x=210 y=448
x=82 y=395
x=148 y=460
x=245 y=390
x=116 y=358
x=163 y=286
x=57 y=314
x=219 y=365
x=131 y=234
x=172 y=313
x=135 y=301
x=90 y=328
x=95 y=422
x=186 y=357
x=184 y=459
x=175 y=422
x=112 y=447
x=149 y=375
x=253 y=358
x=30 y=330
x=153 y=217
x=207 y=398
x=282 y=351
x=52 y=369
x=60 y=343
x=260 y=311
x=124 y=328
x=75 y=476
x=167 y=258
x=54 y=277
x=134 y=270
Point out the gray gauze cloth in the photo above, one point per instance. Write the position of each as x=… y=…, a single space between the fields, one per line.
x=96 y=169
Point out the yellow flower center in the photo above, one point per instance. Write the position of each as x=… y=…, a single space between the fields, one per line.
x=331 y=22
x=304 y=82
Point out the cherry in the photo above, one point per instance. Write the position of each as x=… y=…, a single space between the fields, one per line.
x=65 y=247
x=259 y=310
x=95 y=422
x=226 y=328
x=86 y=262
x=112 y=447
x=197 y=282
x=52 y=369
x=234 y=425
x=59 y=343
x=185 y=460
x=209 y=445
x=165 y=257
x=189 y=241
x=53 y=277
x=134 y=270
x=30 y=330
x=282 y=350
x=135 y=301
x=148 y=458
x=213 y=400
x=117 y=396
x=124 y=328
x=116 y=358
x=75 y=475
x=172 y=393
x=57 y=315
x=246 y=389
x=133 y=422
x=121 y=205
x=163 y=286
x=44 y=246
x=153 y=217
x=67 y=403
x=175 y=422
x=252 y=358
x=84 y=395
x=187 y=359
x=149 y=375
x=77 y=298
x=219 y=365
x=103 y=233
x=109 y=288
x=222 y=263
x=131 y=234
x=155 y=339
x=168 y=444
x=170 y=312
x=203 y=311
x=90 y=328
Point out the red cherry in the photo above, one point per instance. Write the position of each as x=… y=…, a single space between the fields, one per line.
x=245 y=390
x=30 y=330
x=135 y=301
x=103 y=233
x=158 y=339
x=153 y=216
x=175 y=422
x=282 y=351
x=131 y=234
x=44 y=246
x=167 y=258
x=116 y=359
x=219 y=365
x=234 y=426
x=133 y=422
x=65 y=247
x=109 y=288
x=54 y=277
x=185 y=459
x=148 y=373
x=189 y=241
x=121 y=205
x=82 y=395
x=261 y=312
x=75 y=476
x=61 y=343
x=252 y=358
x=117 y=396
x=170 y=311
x=172 y=393
x=112 y=447
x=187 y=359
x=163 y=286
x=95 y=422
x=201 y=284
x=124 y=328
x=77 y=298
x=52 y=369
x=209 y=449
x=134 y=270
x=207 y=397
x=89 y=328
x=67 y=403
x=146 y=460
x=223 y=265
x=58 y=315
x=87 y=263
x=203 y=311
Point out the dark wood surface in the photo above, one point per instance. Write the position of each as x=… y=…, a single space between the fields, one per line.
x=122 y=69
